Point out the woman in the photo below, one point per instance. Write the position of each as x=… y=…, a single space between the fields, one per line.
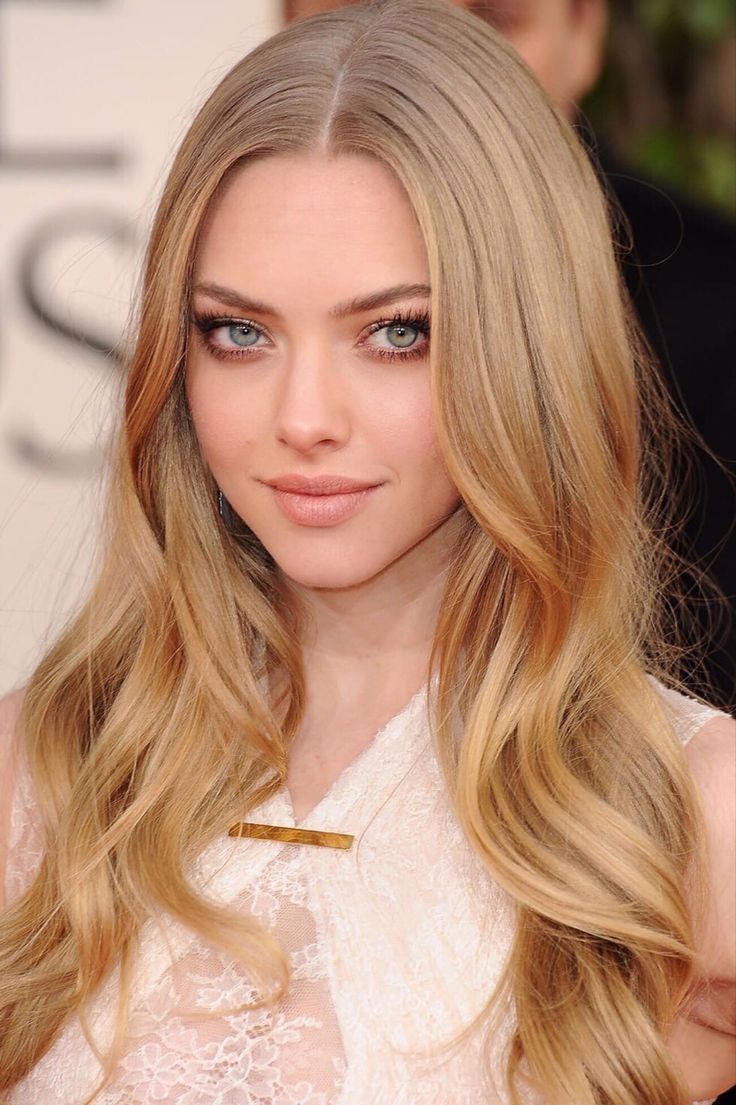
x=360 y=776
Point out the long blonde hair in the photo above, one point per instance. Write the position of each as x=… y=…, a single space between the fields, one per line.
x=566 y=775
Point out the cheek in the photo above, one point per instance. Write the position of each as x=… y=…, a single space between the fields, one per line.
x=408 y=433
x=391 y=426
x=222 y=424
x=401 y=420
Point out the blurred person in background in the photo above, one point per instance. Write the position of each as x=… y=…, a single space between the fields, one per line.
x=681 y=278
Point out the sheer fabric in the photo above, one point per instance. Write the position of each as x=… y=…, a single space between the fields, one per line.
x=394 y=946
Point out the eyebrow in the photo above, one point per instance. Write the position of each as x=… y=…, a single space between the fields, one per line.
x=341 y=310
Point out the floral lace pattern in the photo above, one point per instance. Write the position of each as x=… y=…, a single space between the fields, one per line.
x=282 y=1056
x=394 y=946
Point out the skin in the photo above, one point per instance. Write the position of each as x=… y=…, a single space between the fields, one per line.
x=374 y=582
x=316 y=398
x=560 y=40
x=703 y=1040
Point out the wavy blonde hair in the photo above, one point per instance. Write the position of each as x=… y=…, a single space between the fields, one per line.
x=565 y=773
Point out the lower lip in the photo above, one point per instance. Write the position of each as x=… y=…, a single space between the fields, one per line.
x=321 y=510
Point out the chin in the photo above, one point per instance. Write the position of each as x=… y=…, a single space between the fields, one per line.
x=330 y=573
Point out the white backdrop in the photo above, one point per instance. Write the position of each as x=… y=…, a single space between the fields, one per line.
x=95 y=95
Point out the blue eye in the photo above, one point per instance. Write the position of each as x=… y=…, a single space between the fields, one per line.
x=240 y=333
x=411 y=328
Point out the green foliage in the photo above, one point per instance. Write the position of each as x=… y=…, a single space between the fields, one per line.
x=664 y=110
x=705 y=20
x=703 y=165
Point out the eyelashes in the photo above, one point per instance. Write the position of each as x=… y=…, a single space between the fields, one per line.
x=208 y=323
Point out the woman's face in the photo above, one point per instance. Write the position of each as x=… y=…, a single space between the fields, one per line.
x=286 y=376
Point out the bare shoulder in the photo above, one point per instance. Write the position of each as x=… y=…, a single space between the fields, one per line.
x=704 y=1039
x=711 y=754
x=712 y=749
x=10 y=705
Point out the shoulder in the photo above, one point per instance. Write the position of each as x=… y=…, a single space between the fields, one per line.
x=709 y=739
x=10 y=706
x=702 y=1041
x=688 y=715
x=711 y=754
x=708 y=736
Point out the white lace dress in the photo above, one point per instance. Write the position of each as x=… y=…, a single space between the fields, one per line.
x=395 y=944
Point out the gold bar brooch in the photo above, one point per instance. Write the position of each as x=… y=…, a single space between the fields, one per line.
x=291 y=835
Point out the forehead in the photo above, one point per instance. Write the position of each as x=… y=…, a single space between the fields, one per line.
x=293 y=190
x=285 y=217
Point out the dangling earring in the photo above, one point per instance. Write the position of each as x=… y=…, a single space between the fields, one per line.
x=237 y=529
x=224 y=509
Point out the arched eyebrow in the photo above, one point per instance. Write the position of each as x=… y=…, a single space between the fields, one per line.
x=342 y=310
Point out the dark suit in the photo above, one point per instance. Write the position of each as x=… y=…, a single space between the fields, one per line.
x=680 y=275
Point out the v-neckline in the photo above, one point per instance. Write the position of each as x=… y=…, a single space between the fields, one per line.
x=357 y=763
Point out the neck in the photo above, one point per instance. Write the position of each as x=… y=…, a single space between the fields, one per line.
x=382 y=628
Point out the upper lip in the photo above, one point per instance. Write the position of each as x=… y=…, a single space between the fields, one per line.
x=318 y=485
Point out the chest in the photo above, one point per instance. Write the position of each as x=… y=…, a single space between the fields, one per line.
x=316 y=762
x=392 y=949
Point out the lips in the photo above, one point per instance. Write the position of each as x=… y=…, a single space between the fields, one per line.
x=322 y=510
x=319 y=485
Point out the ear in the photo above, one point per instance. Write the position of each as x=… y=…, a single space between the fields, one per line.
x=590 y=20
x=588 y=29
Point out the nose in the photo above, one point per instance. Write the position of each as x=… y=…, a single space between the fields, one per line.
x=311 y=404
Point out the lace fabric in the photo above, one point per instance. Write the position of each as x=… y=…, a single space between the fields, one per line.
x=394 y=946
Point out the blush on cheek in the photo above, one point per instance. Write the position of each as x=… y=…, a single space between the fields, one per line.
x=425 y=428
x=207 y=426
x=216 y=423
